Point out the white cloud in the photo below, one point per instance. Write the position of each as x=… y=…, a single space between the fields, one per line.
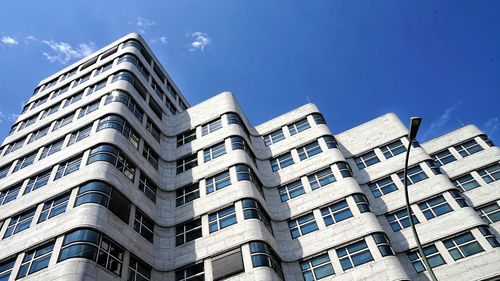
x=200 y=41
x=143 y=24
x=2 y=117
x=63 y=52
x=12 y=117
x=7 y=40
x=160 y=40
x=439 y=124
x=28 y=39
x=491 y=126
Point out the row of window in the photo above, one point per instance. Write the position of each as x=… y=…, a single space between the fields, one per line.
x=293 y=129
x=463 y=149
x=370 y=158
x=478 y=177
x=489 y=212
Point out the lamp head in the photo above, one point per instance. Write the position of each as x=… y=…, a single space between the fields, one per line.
x=414 y=125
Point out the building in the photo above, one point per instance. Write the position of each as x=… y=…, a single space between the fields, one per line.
x=109 y=174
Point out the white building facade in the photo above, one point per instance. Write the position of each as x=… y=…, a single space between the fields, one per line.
x=110 y=174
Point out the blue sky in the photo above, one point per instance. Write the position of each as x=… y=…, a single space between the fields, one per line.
x=355 y=59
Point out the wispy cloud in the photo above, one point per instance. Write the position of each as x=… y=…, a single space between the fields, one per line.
x=63 y=52
x=2 y=117
x=159 y=40
x=28 y=39
x=142 y=24
x=491 y=126
x=12 y=117
x=440 y=123
x=7 y=40
x=200 y=41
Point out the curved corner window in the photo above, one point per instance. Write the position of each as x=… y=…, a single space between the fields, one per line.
x=126 y=99
x=111 y=154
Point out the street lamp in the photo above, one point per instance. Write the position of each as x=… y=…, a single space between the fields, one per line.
x=414 y=125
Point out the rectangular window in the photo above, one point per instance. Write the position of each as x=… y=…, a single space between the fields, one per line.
x=150 y=155
x=187 y=163
x=28 y=122
x=81 y=80
x=153 y=129
x=302 y=225
x=214 y=151
x=435 y=207
x=68 y=167
x=490 y=237
x=103 y=68
x=144 y=225
x=35 y=260
x=39 y=134
x=218 y=181
x=469 y=147
x=71 y=100
x=366 y=159
x=354 y=254
x=465 y=182
x=321 y=178
x=309 y=150
x=298 y=126
x=4 y=170
x=138 y=270
x=80 y=134
x=187 y=232
x=291 y=190
x=317 y=268
x=19 y=223
x=489 y=213
x=60 y=91
x=14 y=146
x=187 y=194
x=415 y=174
x=24 y=162
x=399 y=220
x=281 y=162
x=148 y=187
x=210 y=127
x=462 y=246
x=393 y=149
x=433 y=257
x=54 y=207
x=89 y=109
x=97 y=86
x=37 y=181
x=52 y=148
x=221 y=219
x=382 y=187
x=51 y=110
x=186 y=137
x=458 y=197
x=63 y=122
x=6 y=269
x=227 y=264
x=194 y=272
x=274 y=137
x=68 y=74
x=9 y=194
x=336 y=212
x=444 y=157
x=490 y=173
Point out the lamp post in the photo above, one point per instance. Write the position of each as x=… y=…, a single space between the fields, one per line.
x=414 y=125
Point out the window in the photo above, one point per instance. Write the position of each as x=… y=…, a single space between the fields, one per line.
x=51 y=83
x=187 y=163
x=458 y=197
x=14 y=146
x=245 y=173
x=120 y=124
x=69 y=74
x=24 y=162
x=97 y=86
x=281 y=162
x=88 y=63
x=309 y=150
x=155 y=107
x=35 y=260
x=37 y=181
x=383 y=244
x=54 y=207
x=187 y=194
x=111 y=154
x=238 y=143
x=330 y=142
x=6 y=268
x=81 y=80
x=434 y=168
x=490 y=237
x=318 y=118
x=317 y=268
x=399 y=220
x=366 y=160
x=60 y=91
x=302 y=225
x=345 y=169
x=19 y=223
x=466 y=182
x=321 y=178
x=253 y=210
x=489 y=213
x=298 y=126
x=433 y=257
x=186 y=137
x=187 y=232
x=194 y=272
x=39 y=134
x=170 y=105
x=28 y=122
x=263 y=255
x=393 y=149
x=51 y=110
x=415 y=174
x=362 y=203
x=435 y=207
x=487 y=140
x=218 y=181
x=71 y=100
x=89 y=244
x=354 y=254
x=138 y=270
x=148 y=187
x=336 y=212
x=210 y=127
x=291 y=190
x=103 y=68
x=153 y=129
x=462 y=246
x=159 y=92
x=214 y=151
x=467 y=148
x=63 y=122
x=150 y=155
x=9 y=194
x=126 y=99
x=80 y=134
x=444 y=157
x=144 y=225
x=227 y=264
x=4 y=170
x=221 y=219
x=68 y=167
x=490 y=173
x=89 y=109
x=382 y=187
x=52 y=148
x=103 y=194
x=39 y=102
x=274 y=137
